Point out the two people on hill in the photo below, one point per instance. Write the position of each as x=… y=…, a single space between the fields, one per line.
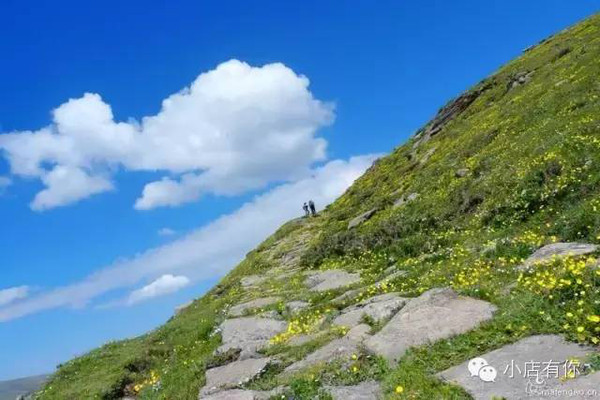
x=309 y=209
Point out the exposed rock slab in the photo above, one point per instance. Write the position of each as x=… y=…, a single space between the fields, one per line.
x=234 y=374
x=561 y=249
x=252 y=280
x=336 y=349
x=249 y=334
x=378 y=308
x=243 y=394
x=436 y=314
x=320 y=281
x=362 y=218
x=405 y=199
x=350 y=294
x=359 y=333
x=368 y=390
x=295 y=306
x=233 y=394
x=512 y=384
x=240 y=309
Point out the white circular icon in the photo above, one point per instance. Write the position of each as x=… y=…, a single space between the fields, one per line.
x=488 y=373
x=475 y=365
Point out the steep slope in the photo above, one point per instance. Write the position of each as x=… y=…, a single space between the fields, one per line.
x=9 y=390
x=420 y=266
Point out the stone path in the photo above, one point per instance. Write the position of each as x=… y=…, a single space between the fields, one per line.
x=378 y=308
x=436 y=314
x=249 y=334
x=320 y=281
x=533 y=354
x=558 y=250
x=233 y=374
x=240 y=309
x=368 y=390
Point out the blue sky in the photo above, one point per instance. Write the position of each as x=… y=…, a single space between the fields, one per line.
x=82 y=265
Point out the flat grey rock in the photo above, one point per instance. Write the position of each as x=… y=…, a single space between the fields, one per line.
x=243 y=394
x=249 y=334
x=336 y=349
x=436 y=314
x=368 y=390
x=252 y=280
x=378 y=308
x=350 y=294
x=233 y=394
x=299 y=340
x=511 y=363
x=359 y=333
x=320 y=281
x=362 y=218
x=295 y=306
x=233 y=374
x=405 y=199
x=583 y=385
x=239 y=309
x=546 y=253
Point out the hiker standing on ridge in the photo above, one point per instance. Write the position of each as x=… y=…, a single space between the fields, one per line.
x=305 y=208
x=313 y=209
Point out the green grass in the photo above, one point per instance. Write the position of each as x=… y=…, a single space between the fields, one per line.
x=532 y=155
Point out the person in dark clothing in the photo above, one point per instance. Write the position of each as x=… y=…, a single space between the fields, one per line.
x=311 y=205
x=305 y=208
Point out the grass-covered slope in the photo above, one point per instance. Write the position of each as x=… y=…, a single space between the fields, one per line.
x=510 y=165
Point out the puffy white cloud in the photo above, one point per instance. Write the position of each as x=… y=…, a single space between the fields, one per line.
x=235 y=128
x=64 y=185
x=13 y=294
x=166 y=232
x=166 y=284
x=209 y=251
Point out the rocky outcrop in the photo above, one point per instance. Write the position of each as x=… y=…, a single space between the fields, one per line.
x=252 y=280
x=547 y=252
x=510 y=363
x=295 y=306
x=368 y=390
x=337 y=349
x=320 y=281
x=447 y=114
x=377 y=308
x=233 y=375
x=405 y=199
x=436 y=314
x=249 y=334
x=520 y=78
x=240 y=309
x=362 y=218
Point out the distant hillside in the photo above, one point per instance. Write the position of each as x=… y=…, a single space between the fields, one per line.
x=9 y=390
x=475 y=240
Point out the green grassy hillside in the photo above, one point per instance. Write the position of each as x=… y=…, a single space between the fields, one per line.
x=508 y=166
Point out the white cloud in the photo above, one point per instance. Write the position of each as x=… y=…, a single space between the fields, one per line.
x=166 y=232
x=5 y=182
x=10 y=295
x=235 y=128
x=209 y=251
x=65 y=185
x=166 y=284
